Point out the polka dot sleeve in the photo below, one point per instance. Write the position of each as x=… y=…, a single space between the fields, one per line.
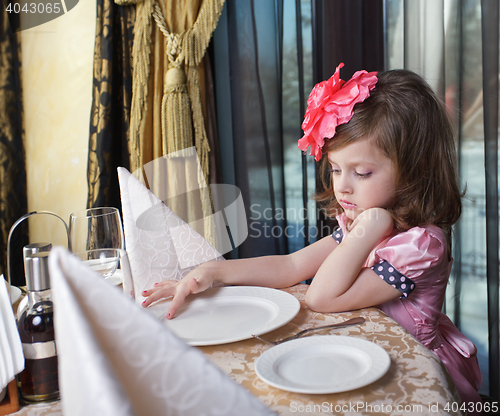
x=390 y=275
x=338 y=234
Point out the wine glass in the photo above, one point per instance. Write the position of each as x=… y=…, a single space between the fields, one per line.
x=112 y=264
x=96 y=228
x=102 y=260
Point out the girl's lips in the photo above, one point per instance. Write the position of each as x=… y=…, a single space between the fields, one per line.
x=347 y=204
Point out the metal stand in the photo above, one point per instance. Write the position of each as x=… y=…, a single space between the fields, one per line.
x=19 y=221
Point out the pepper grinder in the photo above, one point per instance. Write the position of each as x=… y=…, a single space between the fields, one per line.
x=38 y=382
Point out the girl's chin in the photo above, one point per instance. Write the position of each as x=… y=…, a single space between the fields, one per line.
x=351 y=214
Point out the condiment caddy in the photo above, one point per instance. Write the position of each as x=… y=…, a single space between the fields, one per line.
x=38 y=382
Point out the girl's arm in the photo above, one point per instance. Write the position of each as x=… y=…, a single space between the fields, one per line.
x=269 y=271
x=341 y=282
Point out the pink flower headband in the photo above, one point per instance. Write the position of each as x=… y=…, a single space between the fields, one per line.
x=331 y=103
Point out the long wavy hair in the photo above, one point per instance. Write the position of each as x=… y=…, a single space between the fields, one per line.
x=411 y=126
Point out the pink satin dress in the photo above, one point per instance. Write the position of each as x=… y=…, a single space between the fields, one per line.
x=416 y=263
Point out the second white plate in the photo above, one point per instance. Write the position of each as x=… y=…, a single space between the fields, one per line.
x=15 y=294
x=323 y=364
x=229 y=314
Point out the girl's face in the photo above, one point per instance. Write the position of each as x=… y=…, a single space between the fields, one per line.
x=363 y=177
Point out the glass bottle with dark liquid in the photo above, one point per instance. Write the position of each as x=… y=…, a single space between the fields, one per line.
x=38 y=382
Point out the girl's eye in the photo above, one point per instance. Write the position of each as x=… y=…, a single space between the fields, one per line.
x=334 y=171
x=363 y=175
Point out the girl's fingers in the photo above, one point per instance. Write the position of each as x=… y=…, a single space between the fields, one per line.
x=179 y=290
x=194 y=286
x=180 y=296
x=165 y=283
x=157 y=286
x=154 y=294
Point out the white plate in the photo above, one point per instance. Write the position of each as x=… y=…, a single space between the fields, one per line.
x=116 y=278
x=15 y=294
x=323 y=364
x=229 y=314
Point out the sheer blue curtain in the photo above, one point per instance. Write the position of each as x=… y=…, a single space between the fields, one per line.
x=267 y=55
x=257 y=51
x=454 y=45
x=351 y=32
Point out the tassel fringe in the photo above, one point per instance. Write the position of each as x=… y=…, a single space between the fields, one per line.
x=177 y=128
x=182 y=115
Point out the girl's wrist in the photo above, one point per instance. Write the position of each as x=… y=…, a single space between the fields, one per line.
x=374 y=223
x=218 y=271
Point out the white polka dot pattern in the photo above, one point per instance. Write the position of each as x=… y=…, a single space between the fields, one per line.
x=385 y=270
x=338 y=234
x=389 y=274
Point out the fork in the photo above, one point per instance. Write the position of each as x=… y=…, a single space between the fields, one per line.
x=352 y=321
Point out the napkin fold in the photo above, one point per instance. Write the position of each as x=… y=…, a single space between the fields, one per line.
x=11 y=350
x=160 y=245
x=116 y=359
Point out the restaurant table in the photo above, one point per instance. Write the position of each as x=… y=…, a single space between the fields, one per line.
x=416 y=383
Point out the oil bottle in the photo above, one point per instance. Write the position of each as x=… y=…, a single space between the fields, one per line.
x=38 y=382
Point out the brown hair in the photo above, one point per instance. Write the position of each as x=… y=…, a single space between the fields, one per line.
x=411 y=126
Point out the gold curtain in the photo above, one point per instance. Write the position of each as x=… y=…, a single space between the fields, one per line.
x=168 y=111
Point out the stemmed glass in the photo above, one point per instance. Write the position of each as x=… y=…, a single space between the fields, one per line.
x=96 y=228
x=102 y=260
x=96 y=236
x=108 y=262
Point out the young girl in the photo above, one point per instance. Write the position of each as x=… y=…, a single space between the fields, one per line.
x=393 y=186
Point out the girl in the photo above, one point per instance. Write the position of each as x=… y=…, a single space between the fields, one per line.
x=393 y=187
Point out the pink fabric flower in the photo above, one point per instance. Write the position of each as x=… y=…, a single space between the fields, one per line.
x=331 y=103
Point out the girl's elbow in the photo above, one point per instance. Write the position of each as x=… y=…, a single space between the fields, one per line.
x=318 y=302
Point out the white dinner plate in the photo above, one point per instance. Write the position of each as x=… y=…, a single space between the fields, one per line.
x=15 y=294
x=323 y=364
x=229 y=314
x=116 y=278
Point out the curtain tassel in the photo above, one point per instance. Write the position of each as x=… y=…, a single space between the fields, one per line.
x=177 y=128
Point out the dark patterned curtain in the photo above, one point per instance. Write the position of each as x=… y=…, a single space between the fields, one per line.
x=13 y=199
x=110 y=116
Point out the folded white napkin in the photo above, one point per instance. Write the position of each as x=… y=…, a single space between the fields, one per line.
x=116 y=359
x=160 y=245
x=11 y=351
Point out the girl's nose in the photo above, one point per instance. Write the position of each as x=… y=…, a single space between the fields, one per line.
x=341 y=183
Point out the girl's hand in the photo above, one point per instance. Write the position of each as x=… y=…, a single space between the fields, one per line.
x=376 y=222
x=196 y=281
x=342 y=283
